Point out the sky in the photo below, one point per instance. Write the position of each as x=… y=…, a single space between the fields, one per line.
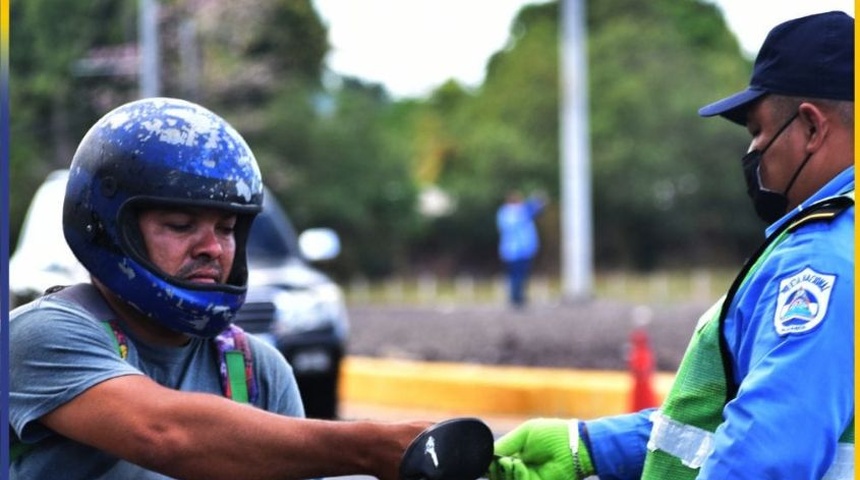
x=414 y=46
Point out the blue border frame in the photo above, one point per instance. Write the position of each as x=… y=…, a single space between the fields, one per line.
x=4 y=237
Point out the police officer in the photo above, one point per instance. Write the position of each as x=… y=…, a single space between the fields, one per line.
x=766 y=388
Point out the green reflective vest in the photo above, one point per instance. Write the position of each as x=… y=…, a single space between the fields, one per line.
x=683 y=429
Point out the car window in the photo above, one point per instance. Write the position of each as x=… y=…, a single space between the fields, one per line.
x=272 y=235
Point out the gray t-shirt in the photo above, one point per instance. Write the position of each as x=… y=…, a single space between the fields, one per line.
x=57 y=350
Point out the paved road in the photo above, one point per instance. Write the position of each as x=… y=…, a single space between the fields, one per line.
x=588 y=335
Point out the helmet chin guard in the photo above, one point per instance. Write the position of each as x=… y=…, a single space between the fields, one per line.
x=165 y=153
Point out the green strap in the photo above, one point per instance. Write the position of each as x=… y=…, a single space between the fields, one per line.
x=117 y=340
x=17 y=448
x=236 y=377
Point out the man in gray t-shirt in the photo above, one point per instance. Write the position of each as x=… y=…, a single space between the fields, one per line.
x=43 y=380
x=123 y=378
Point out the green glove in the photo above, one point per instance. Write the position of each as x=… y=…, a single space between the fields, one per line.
x=541 y=449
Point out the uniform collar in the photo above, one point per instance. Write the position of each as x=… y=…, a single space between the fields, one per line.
x=838 y=185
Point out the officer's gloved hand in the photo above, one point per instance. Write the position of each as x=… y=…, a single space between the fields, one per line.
x=538 y=449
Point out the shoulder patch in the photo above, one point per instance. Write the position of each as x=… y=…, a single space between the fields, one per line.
x=802 y=301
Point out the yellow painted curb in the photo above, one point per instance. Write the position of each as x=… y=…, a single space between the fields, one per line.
x=486 y=389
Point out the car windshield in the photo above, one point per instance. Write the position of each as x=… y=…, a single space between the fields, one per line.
x=272 y=235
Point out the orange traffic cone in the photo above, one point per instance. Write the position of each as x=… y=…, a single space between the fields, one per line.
x=641 y=363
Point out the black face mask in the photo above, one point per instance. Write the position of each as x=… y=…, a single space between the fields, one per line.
x=769 y=205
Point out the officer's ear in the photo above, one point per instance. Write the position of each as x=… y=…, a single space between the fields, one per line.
x=816 y=123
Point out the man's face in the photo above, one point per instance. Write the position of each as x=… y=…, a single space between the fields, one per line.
x=785 y=154
x=194 y=244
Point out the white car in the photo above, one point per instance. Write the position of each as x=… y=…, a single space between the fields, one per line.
x=297 y=308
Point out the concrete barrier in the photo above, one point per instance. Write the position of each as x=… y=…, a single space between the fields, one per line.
x=487 y=389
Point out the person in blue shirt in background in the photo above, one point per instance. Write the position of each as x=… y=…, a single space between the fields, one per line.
x=766 y=388
x=518 y=240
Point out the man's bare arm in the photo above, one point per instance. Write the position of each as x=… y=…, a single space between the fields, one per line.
x=194 y=435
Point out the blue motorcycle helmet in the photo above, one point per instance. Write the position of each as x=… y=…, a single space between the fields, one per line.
x=160 y=152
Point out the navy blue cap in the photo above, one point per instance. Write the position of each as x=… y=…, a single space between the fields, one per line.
x=811 y=56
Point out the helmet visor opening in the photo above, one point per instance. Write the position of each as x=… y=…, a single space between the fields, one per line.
x=134 y=245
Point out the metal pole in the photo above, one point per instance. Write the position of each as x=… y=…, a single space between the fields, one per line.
x=149 y=52
x=189 y=59
x=576 y=223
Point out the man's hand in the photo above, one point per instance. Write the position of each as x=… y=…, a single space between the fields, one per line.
x=539 y=449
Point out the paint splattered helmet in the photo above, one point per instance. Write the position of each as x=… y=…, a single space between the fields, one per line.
x=160 y=152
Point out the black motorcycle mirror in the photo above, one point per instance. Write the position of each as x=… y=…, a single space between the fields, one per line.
x=455 y=449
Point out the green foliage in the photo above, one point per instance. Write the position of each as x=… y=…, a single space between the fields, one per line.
x=244 y=53
x=667 y=185
x=52 y=103
x=655 y=161
x=253 y=50
x=330 y=163
x=480 y=144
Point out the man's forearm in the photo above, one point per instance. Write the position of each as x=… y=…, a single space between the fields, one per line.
x=196 y=435
x=262 y=445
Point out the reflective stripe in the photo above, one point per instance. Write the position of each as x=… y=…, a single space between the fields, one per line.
x=573 y=437
x=690 y=444
x=843 y=464
x=693 y=446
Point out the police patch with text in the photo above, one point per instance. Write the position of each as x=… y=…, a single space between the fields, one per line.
x=802 y=301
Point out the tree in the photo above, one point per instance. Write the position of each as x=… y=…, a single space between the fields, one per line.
x=54 y=100
x=666 y=184
x=665 y=190
x=659 y=170
x=247 y=53
x=334 y=162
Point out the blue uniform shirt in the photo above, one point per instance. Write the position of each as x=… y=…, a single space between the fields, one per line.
x=792 y=355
